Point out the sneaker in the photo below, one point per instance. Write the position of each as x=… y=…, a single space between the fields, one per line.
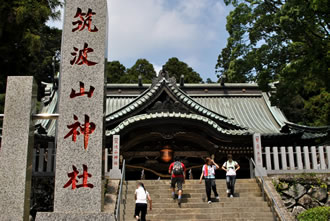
x=228 y=191
x=231 y=196
x=173 y=196
x=217 y=197
x=179 y=202
x=209 y=202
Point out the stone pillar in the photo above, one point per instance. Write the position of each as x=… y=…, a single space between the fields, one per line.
x=327 y=150
x=291 y=158
x=314 y=157
x=257 y=149
x=275 y=157
x=299 y=158
x=81 y=106
x=16 y=150
x=268 y=158
x=322 y=160
x=115 y=172
x=283 y=158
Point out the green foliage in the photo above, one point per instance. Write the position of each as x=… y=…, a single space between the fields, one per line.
x=117 y=73
x=281 y=186
x=114 y=71
x=141 y=67
x=315 y=214
x=176 y=68
x=27 y=45
x=209 y=81
x=285 y=41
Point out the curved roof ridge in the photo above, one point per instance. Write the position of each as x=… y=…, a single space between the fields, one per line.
x=198 y=117
x=185 y=98
x=170 y=83
x=276 y=112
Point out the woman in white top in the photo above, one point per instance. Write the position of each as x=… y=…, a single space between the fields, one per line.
x=141 y=202
x=230 y=166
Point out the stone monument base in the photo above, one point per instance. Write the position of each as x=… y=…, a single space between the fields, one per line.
x=115 y=174
x=49 y=216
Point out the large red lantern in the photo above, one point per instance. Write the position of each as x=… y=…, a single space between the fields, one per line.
x=166 y=154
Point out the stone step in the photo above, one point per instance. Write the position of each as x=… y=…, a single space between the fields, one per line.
x=217 y=216
x=193 y=186
x=210 y=210
x=220 y=204
x=200 y=190
x=246 y=200
x=223 y=219
x=218 y=181
x=162 y=195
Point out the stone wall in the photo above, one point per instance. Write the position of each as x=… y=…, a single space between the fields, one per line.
x=304 y=191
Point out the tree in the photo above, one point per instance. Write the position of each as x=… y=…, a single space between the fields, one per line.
x=284 y=41
x=115 y=71
x=176 y=68
x=141 y=67
x=27 y=45
x=209 y=81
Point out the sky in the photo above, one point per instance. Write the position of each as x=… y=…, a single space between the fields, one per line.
x=191 y=30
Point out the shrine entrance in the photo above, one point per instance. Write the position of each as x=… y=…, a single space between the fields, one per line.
x=150 y=145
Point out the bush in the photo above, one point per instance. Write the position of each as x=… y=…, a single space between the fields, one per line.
x=315 y=214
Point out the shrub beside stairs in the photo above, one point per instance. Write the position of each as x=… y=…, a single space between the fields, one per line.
x=247 y=205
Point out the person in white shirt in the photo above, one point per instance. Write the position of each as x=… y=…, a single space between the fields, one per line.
x=141 y=202
x=230 y=166
x=208 y=171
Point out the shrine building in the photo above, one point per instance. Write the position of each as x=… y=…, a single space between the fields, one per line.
x=168 y=118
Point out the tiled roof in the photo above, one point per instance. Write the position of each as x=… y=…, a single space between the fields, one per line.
x=247 y=113
x=162 y=115
x=179 y=94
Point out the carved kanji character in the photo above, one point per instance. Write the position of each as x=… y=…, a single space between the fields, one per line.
x=82 y=56
x=85 y=20
x=82 y=91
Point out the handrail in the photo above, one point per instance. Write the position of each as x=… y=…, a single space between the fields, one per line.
x=39 y=116
x=159 y=174
x=263 y=186
x=119 y=197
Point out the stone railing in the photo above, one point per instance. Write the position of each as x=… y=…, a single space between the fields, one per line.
x=44 y=159
x=284 y=160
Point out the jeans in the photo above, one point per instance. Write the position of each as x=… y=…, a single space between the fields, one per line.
x=210 y=183
x=230 y=180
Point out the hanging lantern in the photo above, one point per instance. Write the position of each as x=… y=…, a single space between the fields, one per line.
x=166 y=154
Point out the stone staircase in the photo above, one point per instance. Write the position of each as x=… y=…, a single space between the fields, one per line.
x=247 y=205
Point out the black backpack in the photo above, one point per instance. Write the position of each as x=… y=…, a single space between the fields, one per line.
x=177 y=168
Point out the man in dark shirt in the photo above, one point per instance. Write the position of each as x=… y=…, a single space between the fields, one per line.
x=178 y=174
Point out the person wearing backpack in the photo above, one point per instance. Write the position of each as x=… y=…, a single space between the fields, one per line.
x=230 y=166
x=142 y=198
x=208 y=171
x=178 y=174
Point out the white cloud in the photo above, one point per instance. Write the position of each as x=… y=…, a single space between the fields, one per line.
x=192 y=30
x=141 y=27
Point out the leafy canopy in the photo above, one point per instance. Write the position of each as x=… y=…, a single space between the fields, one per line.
x=285 y=42
x=117 y=73
x=27 y=45
x=176 y=68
